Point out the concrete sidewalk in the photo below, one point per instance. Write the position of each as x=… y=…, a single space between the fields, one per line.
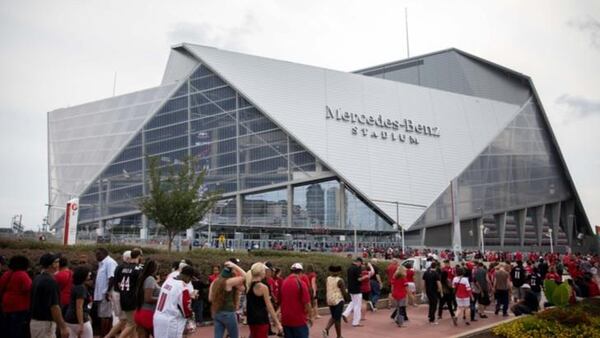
x=379 y=325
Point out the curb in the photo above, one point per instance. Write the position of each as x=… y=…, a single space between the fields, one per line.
x=479 y=330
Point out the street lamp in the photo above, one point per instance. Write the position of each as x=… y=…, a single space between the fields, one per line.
x=481 y=231
x=550 y=235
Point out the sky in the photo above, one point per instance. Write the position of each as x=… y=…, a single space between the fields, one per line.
x=56 y=54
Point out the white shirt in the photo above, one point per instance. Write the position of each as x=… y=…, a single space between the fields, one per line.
x=106 y=270
x=174 y=300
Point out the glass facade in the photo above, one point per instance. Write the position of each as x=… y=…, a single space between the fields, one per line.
x=518 y=169
x=317 y=205
x=250 y=160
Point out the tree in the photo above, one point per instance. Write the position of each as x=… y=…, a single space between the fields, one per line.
x=177 y=200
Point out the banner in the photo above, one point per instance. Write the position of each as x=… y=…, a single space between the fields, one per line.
x=71 y=217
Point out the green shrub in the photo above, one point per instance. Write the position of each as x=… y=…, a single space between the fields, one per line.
x=203 y=259
x=580 y=320
x=549 y=287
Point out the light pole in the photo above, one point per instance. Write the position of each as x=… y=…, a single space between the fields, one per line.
x=481 y=228
x=397 y=203
x=550 y=235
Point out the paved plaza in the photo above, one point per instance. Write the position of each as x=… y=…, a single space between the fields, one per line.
x=379 y=325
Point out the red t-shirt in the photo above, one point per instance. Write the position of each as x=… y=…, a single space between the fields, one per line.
x=554 y=275
x=64 y=279
x=294 y=297
x=399 y=288
x=213 y=277
x=16 y=289
x=593 y=289
x=410 y=275
x=450 y=272
x=365 y=284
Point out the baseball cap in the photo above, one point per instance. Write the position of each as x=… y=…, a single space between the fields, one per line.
x=47 y=259
x=296 y=266
x=127 y=255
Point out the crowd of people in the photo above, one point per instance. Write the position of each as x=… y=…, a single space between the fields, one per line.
x=131 y=298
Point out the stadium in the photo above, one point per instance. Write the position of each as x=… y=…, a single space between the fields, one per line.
x=313 y=157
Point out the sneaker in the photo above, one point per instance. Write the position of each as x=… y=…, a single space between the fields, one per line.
x=345 y=319
x=434 y=323
x=325 y=334
x=482 y=315
x=370 y=305
x=467 y=323
x=455 y=321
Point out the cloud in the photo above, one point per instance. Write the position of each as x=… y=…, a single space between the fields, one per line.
x=589 y=26
x=232 y=38
x=580 y=106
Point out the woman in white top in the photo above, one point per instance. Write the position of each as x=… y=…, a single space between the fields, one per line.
x=336 y=291
x=463 y=294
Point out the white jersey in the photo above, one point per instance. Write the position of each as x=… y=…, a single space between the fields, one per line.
x=175 y=299
x=174 y=305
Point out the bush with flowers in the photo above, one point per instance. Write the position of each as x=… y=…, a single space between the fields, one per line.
x=579 y=320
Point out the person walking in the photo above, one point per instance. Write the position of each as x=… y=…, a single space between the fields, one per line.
x=115 y=302
x=399 y=294
x=311 y=275
x=126 y=279
x=365 y=288
x=15 y=289
x=535 y=281
x=354 y=281
x=64 y=279
x=501 y=289
x=104 y=282
x=174 y=305
x=483 y=284
x=296 y=311
x=46 y=314
x=335 y=294
x=77 y=314
x=258 y=303
x=412 y=288
x=433 y=288
x=517 y=277
x=375 y=286
x=224 y=297
x=463 y=293
x=447 y=297
x=147 y=291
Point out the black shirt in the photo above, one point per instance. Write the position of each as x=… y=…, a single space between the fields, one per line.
x=78 y=292
x=535 y=281
x=517 y=275
x=376 y=270
x=354 y=273
x=44 y=294
x=531 y=301
x=256 y=307
x=431 y=277
x=126 y=277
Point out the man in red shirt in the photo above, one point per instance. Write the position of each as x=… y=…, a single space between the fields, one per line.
x=295 y=305
x=64 y=279
x=390 y=271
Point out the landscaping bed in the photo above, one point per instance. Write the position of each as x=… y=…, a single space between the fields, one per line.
x=579 y=320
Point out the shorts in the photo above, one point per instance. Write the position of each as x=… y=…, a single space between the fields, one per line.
x=366 y=296
x=517 y=292
x=143 y=318
x=104 y=308
x=259 y=330
x=115 y=300
x=336 y=311
x=411 y=287
x=484 y=299
x=463 y=302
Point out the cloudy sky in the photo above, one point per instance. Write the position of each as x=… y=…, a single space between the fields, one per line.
x=55 y=54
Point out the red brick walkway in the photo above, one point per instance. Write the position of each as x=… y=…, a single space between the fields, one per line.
x=379 y=325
